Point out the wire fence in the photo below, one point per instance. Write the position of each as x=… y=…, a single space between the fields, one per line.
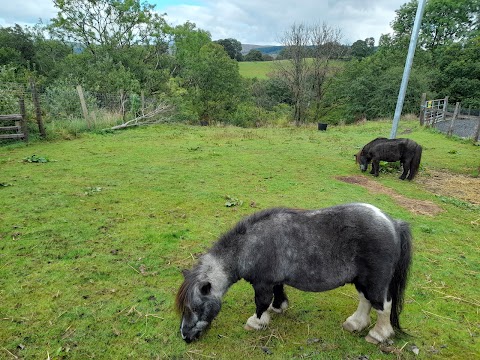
x=67 y=102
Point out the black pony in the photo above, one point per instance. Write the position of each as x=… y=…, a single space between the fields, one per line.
x=382 y=149
x=311 y=250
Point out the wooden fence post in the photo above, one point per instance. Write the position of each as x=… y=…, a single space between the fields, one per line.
x=422 y=108
x=445 y=104
x=84 y=105
x=21 y=104
x=122 y=104
x=38 y=110
x=455 y=114
x=477 y=132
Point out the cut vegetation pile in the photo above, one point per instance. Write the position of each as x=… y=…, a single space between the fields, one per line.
x=94 y=233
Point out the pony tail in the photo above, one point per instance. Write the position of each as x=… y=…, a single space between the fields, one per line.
x=400 y=276
x=415 y=164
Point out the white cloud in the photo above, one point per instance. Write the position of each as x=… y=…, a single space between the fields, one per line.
x=263 y=22
x=26 y=12
x=249 y=21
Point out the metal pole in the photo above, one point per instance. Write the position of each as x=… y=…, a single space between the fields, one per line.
x=408 y=66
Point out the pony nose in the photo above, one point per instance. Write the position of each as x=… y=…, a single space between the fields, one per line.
x=187 y=340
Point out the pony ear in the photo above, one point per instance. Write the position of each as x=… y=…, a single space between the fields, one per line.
x=205 y=288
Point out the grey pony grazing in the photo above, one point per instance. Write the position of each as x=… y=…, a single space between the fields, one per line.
x=311 y=250
x=407 y=151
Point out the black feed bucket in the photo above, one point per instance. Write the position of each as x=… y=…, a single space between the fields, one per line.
x=322 y=127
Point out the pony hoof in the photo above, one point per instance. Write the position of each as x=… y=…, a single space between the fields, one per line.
x=251 y=328
x=254 y=323
x=371 y=340
x=355 y=326
x=348 y=326
x=375 y=336
x=281 y=309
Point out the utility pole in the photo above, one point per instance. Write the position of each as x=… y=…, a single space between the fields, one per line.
x=408 y=66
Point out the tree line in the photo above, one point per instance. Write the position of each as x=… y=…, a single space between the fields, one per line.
x=108 y=46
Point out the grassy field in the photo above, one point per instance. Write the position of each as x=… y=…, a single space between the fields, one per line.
x=255 y=69
x=94 y=238
x=261 y=69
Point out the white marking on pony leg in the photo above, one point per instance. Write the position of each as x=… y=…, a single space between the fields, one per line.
x=360 y=319
x=383 y=328
x=254 y=323
x=283 y=307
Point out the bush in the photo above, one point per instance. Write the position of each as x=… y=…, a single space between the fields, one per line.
x=62 y=101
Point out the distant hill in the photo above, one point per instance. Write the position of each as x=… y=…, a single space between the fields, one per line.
x=272 y=50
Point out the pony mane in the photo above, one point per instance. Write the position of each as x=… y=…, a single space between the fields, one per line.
x=185 y=293
x=357 y=156
x=241 y=227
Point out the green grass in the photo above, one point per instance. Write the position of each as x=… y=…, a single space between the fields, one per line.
x=92 y=242
x=255 y=69
x=262 y=69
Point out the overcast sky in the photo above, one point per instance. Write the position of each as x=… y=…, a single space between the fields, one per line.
x=249 y=21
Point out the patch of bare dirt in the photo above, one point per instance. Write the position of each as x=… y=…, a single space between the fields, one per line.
x=442 y=183
x=422 y=207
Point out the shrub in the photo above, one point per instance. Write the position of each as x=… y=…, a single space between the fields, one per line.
x=63 y=101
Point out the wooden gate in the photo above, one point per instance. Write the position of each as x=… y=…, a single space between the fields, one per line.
x=433 y=111
x=14 y=126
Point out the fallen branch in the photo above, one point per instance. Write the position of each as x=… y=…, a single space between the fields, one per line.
x=147 y=119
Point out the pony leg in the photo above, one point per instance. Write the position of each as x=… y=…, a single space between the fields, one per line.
x=375 y=167
x=261 y=318
x=280 y=300
x=383 y=328
x=406 y=168
x=360 y=318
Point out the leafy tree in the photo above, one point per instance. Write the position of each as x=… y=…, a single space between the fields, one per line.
x=16 y=46
x=362 y=48
x=254 y=55
x=444 y=22
x=187 y=42
x=49 y=53
x=459 y=72
x=368 y=88
x=99 y=74
x=233 y=48
x=270 y=92
x=110 y=24
x=217 y=83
